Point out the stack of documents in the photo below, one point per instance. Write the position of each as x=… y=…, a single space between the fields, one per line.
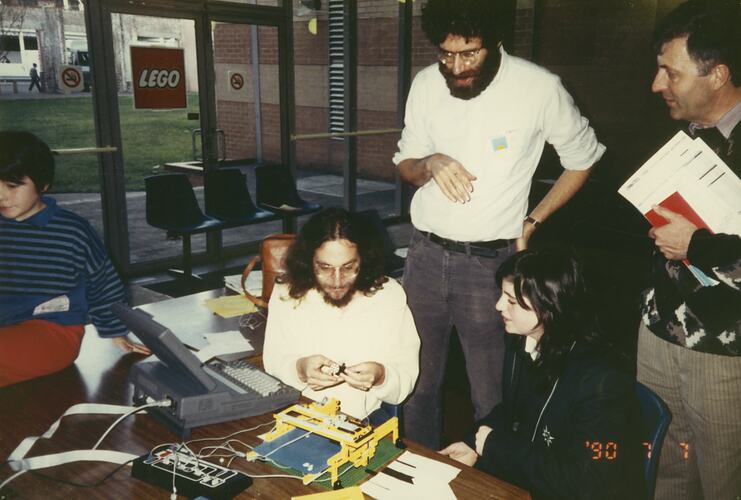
x=230 y=306
x=412 y=476
x=253 y=283
x=687 y=177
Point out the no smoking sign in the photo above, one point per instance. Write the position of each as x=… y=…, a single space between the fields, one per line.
x=236 y=80
x=70 y=78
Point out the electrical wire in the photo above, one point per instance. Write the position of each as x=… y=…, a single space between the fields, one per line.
x=7 y=481
x=302 y=436
x=230 y=435
x=95 y=446
x=122 y=417
x=350 y=466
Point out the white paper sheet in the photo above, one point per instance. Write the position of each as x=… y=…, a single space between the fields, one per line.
x=429 y=479
x=689 y=167
x=222 y=343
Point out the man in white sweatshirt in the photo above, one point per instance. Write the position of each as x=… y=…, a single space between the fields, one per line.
x=338 y=327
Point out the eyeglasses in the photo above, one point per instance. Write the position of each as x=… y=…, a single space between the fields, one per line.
x=348 y=270
x=468 y=57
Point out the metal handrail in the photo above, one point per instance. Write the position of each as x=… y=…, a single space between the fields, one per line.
x=300 y=137
x=84 y=151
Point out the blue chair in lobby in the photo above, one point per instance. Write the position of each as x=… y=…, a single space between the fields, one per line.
x=276 y=191
x=655 y=419
x=172 y=206
x=228 y=199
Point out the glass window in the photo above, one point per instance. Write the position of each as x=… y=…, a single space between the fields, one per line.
x=30 y=43
x=62 y=120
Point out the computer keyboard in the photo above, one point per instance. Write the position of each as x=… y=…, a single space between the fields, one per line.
x=244 y=378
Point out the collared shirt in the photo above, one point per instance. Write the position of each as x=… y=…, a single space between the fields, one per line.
x=726 y=124
x=531 y=347
x=497 y=136
x=375 y=328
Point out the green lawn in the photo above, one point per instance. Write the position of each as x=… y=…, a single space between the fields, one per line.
x=149 y=137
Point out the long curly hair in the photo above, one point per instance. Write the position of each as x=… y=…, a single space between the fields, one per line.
x=330 y=225
x=466 y=18
x=553 y=282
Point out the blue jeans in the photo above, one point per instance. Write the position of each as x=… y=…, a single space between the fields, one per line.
x=446 y=289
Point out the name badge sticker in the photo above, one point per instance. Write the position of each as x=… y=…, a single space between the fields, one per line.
x=499 y=143
x=57 y=304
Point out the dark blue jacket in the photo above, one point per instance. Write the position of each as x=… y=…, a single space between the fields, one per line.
x=576 y=438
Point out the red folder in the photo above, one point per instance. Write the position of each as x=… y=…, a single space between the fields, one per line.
x=676 y=203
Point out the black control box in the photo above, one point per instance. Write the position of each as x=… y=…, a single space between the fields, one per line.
x=193 y=477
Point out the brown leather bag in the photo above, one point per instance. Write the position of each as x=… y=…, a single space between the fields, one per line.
x=273 y=251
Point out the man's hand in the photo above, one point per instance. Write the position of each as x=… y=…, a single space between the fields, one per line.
x=309 y=371
x=365 y=375
x=481 y=436
x=672 y=239
x=460 y=452
x=522 y=242
x=126 y=345
x=451 y=177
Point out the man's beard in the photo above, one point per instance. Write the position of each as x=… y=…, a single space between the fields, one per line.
x=482 y=77
x=342 y=301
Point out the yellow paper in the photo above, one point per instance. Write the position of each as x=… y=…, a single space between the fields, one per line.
x=351 y=493
x=229 y=306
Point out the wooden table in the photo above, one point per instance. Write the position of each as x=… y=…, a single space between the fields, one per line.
x=99 y=376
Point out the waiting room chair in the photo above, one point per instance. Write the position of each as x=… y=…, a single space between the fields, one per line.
x=394 y=263
x=655 y=419
x=172 y=206
x=276 y=191
x=227 y=198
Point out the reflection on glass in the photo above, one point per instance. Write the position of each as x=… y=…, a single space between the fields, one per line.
x=34 y=48
x=156 y=140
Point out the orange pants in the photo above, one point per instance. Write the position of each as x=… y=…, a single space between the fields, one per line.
x=35 y=348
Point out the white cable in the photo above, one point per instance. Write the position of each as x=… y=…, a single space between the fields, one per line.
x=174 y=469
x=350 y=466
x=287 y=476
x=54 y=459
x=230 y=435
x=122 y=417
x=20 y=464
x=5 y=483
x=302 y=436
x=20 y=452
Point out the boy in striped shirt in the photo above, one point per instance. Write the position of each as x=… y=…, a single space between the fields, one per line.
x=54 y=270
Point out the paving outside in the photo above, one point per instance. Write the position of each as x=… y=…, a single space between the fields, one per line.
x=150 y=243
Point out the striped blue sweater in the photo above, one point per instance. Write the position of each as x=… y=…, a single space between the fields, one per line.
x=53 y=266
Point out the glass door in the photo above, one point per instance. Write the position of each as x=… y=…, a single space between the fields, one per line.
x=189 y=89
x=248 y=105
x=157 y=93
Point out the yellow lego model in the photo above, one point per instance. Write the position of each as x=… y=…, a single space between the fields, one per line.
x=357 y=441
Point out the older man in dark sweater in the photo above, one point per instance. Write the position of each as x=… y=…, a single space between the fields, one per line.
x=689 y=350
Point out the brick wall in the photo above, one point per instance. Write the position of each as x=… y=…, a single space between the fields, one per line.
x=232 y=43
x=601 y=50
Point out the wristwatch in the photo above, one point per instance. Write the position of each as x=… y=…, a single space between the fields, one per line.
x=532 y=220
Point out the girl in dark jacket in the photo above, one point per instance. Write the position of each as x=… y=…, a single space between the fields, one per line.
x=567 y=427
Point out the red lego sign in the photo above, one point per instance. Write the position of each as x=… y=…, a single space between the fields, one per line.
x=158 y=75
